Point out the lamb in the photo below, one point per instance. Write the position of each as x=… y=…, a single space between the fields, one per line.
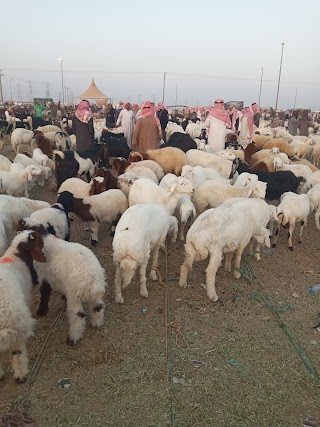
x=21 y=136
x=79 y=188
x=133 y=243
x=171 y=159
x=316 y=154
x=26 y=161
x=302 y=150
x=298 y=170
x=260 y=155
x=198 y=174
x=145 y=191
x=16 y=184
x=104 y=207
x=269 y=162
x=75 y=272
x=215 y=232
x=53 y=219
x=283 y=146
x=200 y=158
x=314 y=196
x=184 y=209
x=5 y=164
x=48 y=128
x=16 y=321
x=142 y=171
x=212 y=194
x=262 y=213
x=260 y=140
x=39 y=157
x=293 y=208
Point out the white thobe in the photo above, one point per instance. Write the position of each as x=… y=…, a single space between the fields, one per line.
x=216 y=134
x=126 y=120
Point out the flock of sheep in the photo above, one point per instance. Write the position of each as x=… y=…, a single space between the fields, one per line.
x=231 y=204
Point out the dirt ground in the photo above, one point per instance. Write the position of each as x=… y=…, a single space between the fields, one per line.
x=256 y=347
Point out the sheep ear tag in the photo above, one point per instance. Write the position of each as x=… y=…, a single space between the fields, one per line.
x=170 y=190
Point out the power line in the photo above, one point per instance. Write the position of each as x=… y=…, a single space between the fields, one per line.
x=160 y=73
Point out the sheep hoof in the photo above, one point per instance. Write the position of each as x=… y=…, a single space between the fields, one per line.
x=70 y=342
x=119 y=299
x=144 y=294
x=20 y=380
x=290 y=248
x=93 y=243
x=183 y=285
x=299 y=241
x=274 y=245
x=42 y=311
x=236 y=274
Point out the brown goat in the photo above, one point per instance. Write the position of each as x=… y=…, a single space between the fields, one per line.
x=44 y=144
x=97 y=187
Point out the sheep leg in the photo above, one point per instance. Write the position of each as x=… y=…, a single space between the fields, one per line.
x=211 y=271
x=94 y=227
x=181 y=231
x=1 y=371
x=77 y=320
x=45 y=291
x=257 y=252
x=290 y=233
x=96 y=310
x=155 y=264
x=317 y=218
x=117 y=287
x=143 y=280
x=302 y=224
x=237 y=262
x=19 y=362
x=276 y=234
x=227 y=264
x=184 y=270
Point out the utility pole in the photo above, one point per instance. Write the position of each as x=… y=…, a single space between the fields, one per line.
x=176 y=95
x=164 y=86
x=30 y=91
x=295 y=99
x=47 y=90
x=260 y=85
x=19 y=92
x=11 y=90
x=1 y=93
x=282 y=44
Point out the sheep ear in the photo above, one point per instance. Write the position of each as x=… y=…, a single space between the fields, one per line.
x=172 y=188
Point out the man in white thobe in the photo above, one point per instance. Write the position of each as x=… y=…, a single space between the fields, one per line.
x=125 y=120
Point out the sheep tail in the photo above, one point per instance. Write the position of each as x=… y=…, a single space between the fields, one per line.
x=128 y=264
x=8 y=337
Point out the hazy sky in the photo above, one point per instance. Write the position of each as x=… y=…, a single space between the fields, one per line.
x=209 y=49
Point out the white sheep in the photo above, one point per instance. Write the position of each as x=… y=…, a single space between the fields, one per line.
x=293 y=208
x=21 y=136
x=75 y=272
x=16 y=321
x=142 y=171
x=172 y=128
x=215 y=232
x=184 y=209
x=12 y=209
x=200 y=158
x=314 y=196
x=26 y=161
x=262 y=213
x=151 y=164
x=298 y=170
x=211 y=194
x=194 y=129
x=125 y=182
x=316 y=154
x=16 y=167
x=48 y=128
x=16 y=183
x=39 y=157
x=198 y=174
x=5 y=163
x=146 y=191
x=302 y=150
x=134 y=241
